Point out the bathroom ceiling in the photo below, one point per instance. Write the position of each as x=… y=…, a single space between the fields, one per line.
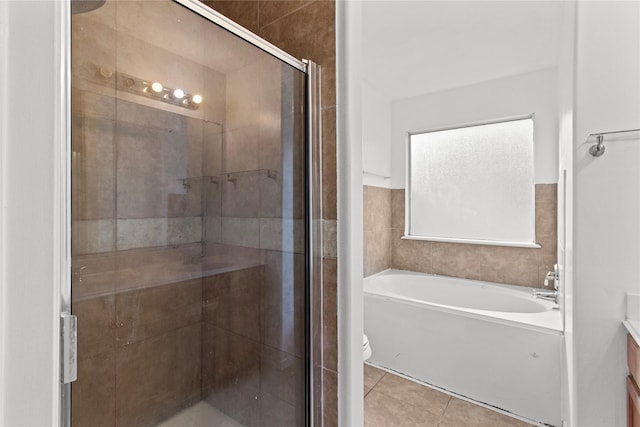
x=416 y=47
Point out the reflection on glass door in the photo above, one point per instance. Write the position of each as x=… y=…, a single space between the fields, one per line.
x=188 y=213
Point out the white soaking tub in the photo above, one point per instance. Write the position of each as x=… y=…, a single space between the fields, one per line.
x=491 y=343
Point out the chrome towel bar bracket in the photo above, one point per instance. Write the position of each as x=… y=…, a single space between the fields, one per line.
x=598 y=149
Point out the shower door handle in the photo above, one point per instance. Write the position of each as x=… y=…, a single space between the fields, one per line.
x=68 y=348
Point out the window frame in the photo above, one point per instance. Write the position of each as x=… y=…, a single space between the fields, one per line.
x=408 y=236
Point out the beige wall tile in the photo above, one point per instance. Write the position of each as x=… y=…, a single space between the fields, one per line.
x=412 y=255
x=397 y=209
x=376 y=208
x=514 y=266
x=457 y=260
x=547 y=218
x=518 y=266
x=377 y=251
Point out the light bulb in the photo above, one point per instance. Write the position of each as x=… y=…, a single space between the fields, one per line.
x=157 y=87
x=178 y=94
x=197 y=99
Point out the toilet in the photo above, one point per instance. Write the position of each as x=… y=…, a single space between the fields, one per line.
x=366 y=349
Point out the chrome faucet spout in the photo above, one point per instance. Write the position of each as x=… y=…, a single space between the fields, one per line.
x=546 y=295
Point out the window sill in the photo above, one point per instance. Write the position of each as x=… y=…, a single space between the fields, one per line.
x=474 y=241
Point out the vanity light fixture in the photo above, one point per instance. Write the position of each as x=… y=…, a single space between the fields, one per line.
x=157 y=87
x=150 y=89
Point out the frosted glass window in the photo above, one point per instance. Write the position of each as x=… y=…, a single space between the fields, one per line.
x=473 y=184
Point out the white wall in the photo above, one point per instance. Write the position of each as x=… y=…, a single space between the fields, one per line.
x=376 y=136
x=33 y=142
x=607 y=206
x=513 y=96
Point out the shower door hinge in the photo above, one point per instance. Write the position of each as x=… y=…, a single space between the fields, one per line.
x=68 y=348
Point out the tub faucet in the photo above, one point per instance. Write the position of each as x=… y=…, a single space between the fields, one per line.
x=549 y=295
x=546 y=295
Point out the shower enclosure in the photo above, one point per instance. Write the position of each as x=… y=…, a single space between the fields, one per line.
x=191 y=221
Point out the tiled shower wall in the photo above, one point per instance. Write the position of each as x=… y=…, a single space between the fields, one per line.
x=306 y=29
x=384 y=216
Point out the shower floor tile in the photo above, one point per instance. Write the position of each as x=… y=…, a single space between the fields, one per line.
x=200 y=415
x=390 y=400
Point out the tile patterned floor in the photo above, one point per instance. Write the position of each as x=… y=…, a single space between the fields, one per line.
x=390 y=400
x=200 y=415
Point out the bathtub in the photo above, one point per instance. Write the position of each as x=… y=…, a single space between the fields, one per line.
x=494 y=344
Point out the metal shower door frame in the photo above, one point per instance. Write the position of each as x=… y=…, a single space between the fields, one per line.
x=313 y=215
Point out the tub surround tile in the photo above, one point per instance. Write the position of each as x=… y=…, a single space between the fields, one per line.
x=509 y=265
x=381 y=410
x=397 y=209
x=515 y=266
x=451 y=259
x=377 y=251
x=376 y=208
x=412 y=255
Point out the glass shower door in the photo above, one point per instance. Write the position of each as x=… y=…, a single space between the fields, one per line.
x=188 y=223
